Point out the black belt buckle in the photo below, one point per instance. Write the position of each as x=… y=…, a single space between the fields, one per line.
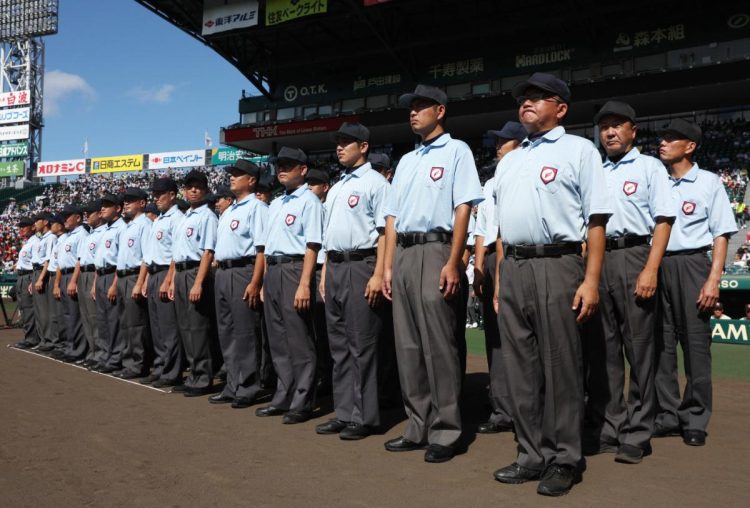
x=623 y=242
x=350 y=255
x=21 y=273
x=154 y=268
x=281 y=259
x=186 y=265
x=236 y=263
x=106 y=270
x=88 y=268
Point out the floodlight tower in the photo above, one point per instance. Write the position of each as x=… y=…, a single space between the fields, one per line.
x=22 y=23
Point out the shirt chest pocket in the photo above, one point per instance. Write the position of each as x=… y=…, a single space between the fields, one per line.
x=292 y=222
x=356 y=202
x=437 y=176
x=693 y=210
x=632 y=190
x=548 y=178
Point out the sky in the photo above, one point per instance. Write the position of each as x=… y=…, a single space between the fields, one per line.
x=130 y=82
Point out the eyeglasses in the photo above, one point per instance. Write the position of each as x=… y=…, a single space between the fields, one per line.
x=536 y=97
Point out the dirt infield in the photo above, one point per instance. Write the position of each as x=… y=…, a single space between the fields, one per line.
x=75 y=438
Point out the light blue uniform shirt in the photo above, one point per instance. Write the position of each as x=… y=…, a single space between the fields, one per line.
x=639 y=191
x=87 y=248
x=429 y=184
x=161 y=237
x=240 y=227
x=486 y=225
x=547 y=189
x=703 y=210
x=54 y=261
x=470 y=230
x=195 y=233
x=69 y=246
x=133 y=241
x=354 y=210
x=43 y=250
x=26 y=252
x=294 y=220
x=106 y=252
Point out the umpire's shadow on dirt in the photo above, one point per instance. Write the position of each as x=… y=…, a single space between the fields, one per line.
x=475 y=408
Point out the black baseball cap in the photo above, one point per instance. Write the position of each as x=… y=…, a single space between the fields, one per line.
x=43 y=216
x=57 y=218
x=110 y=198
x=684 y=129
x=616 y=108
x=151 y=208
x=379 y=161
x=93 y=206
x=164 y=184
x=355 y=131
x=196 y=176
x=427 y=92
x=317 y=176
x=511 y=130
x=71 y=210
x=134 y=194
x=292 y=154
x=222 y=191
x=546 y=82
x=266 y=183
x=244 y=166
x=25 y=221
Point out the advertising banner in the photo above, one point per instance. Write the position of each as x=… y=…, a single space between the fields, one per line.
x=117 y=163
x=228 y=155
x=280 y=11
x=16 y=115
x=12 y=150
x=182 y=159
x=734 y=283
x=287 y=129
x=225 y=15
x=12 y=132
x=13 y=168
x=61 y=168
x=730 y=331
x=18 y=98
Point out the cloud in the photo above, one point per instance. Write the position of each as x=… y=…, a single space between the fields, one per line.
x=59 y=85
x=158 y=95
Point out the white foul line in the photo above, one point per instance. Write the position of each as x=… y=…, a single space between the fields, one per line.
x=84 y=368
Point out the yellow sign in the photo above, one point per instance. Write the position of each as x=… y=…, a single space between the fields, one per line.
x=280 y=11
x=117 y=163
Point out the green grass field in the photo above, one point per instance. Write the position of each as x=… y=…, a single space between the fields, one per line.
x=730 y=361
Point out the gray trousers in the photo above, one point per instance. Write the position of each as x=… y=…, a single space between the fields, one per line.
x=498 y=384
x=134 y=328
x=108 y=351
x=26 y=308
x=168 y=355
x=290 y=335
x=682 y=277
x=623 y=323
x=43 y=318
x=324 y=362
x=428 y=330
x=71 y=320
x=353 y=331
x=87 y=309
x=196 y=323
x=237 y=324
x=541 y=352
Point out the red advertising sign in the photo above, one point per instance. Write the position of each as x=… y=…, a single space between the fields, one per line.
x=56 y=168
x=286 y=129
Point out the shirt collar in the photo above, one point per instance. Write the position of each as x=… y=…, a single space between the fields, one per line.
x=359 y=172
x=691 y=175
x=440 y=141
x=550 y=137
x=628 y=157
x=245 y=200
x=297 y=193
x=119 y=219
x=76 y=230
x=200 y=209
x=100 y=227
x=170 y=211
x=48 y=233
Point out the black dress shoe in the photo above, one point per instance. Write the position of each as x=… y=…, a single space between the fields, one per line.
x=401 y=444
x=354 y=432
x=179 y=388
x=604 y=446
x=220 y=398
x=629 y=454
x=90 y=364
x=71 y=359
x=164 y=383
x=660 y=431
x=45 y=348
x=150 y=379
x=516 y=473
x=198 y=392
x=107 y=369
x=493 y=428
x=333 y=426
x=129 y=374
x=694 y=437
x=438 y=453
x=243 y=402
x=557 y=480
x=57 y=354
x=269 y=411
x=22 y=345
x=294 y=417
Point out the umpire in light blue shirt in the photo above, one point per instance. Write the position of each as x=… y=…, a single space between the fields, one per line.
x=689 y=285
x=192 y=286
x=135 y=331
x=24 y=270
x=637 y=235
x=238 y=284
x=352 y=285
x=290 y=246
x=165 y=336
x=551 y=196
x=427 y=215
x=85 y=287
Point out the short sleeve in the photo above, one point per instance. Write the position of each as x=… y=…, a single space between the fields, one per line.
x=312 y=221
x=466 y=186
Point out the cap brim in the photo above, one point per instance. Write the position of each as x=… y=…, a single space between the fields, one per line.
x=405 y=100
x=602 y=114
x=520 y=88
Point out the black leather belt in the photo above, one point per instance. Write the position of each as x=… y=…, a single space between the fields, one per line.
x=88 y=268
x=688 y=252
x=106 y=270
x=277 y=260
x=37 y=266
x=186 y=265
x=623 y=242
x=21 y=273
x=337 y=256
x=154 y=268
x=66 y=271
x=491 y=248
x=128 y=271
x=548 y=250
x=237 y=263
x=409 y=239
